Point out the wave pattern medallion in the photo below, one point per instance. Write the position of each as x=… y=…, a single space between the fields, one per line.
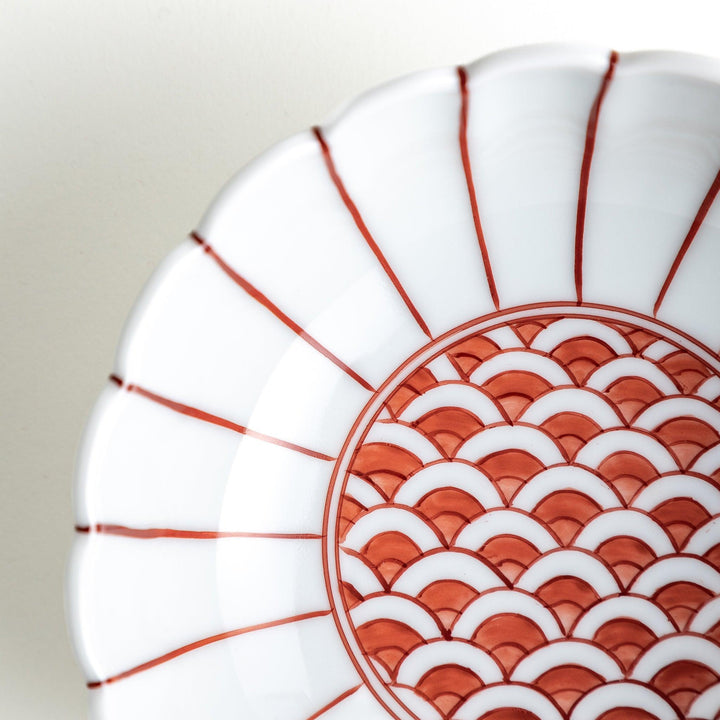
x=529 y=526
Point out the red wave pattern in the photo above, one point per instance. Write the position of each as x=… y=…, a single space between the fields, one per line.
x=531 y=524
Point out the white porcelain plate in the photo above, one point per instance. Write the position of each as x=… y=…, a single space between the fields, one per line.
x=423 y=421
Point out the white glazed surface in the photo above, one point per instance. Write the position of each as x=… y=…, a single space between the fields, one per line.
x=198 y=339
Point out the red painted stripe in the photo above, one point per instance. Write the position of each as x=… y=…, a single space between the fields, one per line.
x=360 y=223
x=194 y=412
x=202 y=643
x=467 y=167
x=335 y=702
x=152 y=533
x=696 y=223
x=590 y=136
x=256 y=295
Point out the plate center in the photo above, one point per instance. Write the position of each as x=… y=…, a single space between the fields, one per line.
x=528 y=515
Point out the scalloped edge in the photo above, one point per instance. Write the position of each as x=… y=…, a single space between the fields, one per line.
x=515 y=59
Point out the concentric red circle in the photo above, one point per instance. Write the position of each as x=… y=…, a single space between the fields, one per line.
x=530 y=505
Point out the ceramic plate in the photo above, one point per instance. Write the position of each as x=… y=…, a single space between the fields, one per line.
x=422 y=421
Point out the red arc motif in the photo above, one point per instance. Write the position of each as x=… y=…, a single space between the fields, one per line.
x=537 y=509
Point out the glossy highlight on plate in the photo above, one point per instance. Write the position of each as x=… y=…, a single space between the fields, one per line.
x=423 y=420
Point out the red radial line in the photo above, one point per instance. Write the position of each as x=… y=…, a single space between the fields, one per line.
x=467 y=167
x=152 y=533
x=194 y=412
x=365 y=232
x=590 y=135
x=256 y=295
x=202 y=643
x=335 y=702
x=696 y=223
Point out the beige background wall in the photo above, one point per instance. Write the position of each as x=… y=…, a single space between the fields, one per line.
x=119 y=120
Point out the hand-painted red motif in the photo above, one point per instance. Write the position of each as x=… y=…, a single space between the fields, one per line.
x=530 y=524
